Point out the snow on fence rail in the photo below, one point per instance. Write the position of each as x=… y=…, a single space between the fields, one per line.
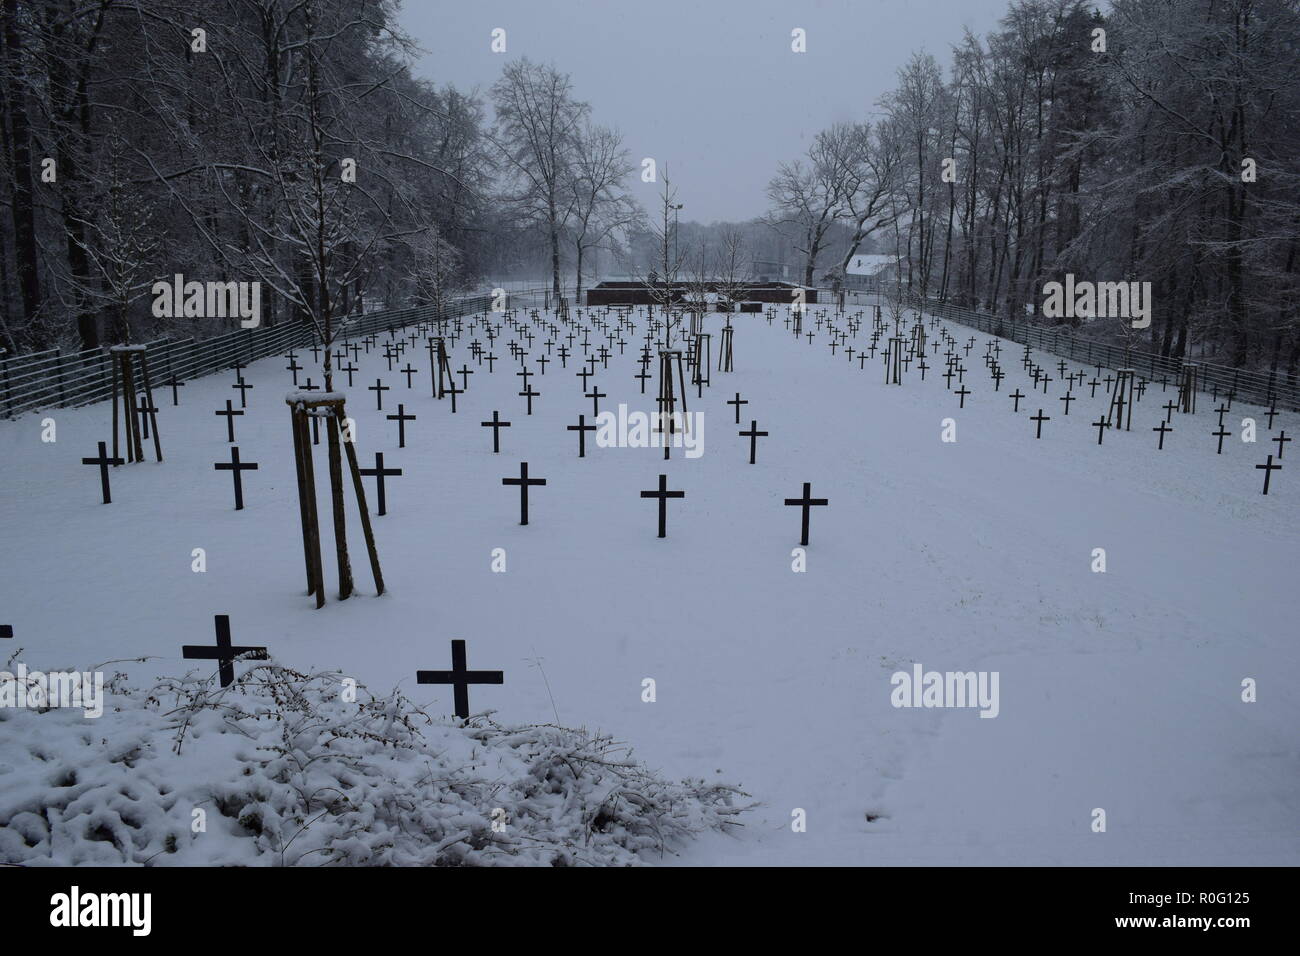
x=54 y=378
x=1261 y=388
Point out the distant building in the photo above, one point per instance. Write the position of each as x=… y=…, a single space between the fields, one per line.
x=868 y=264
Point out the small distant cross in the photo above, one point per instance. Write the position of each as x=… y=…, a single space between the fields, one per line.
x=378 y=388
x=581 y=428
x=103 y=461
x=460 y=678
x=595 y=395
x=175 y=385
x=529 y=394
x=1101 y=425
x=224 y=653
x=1268 y=470
x=1040 y=418
x=738 y=401
x=496 y=425
x=401 y=418
x=1281 y=439
x=807 y=502
x=1222 y=433
x=236 y=467
x=1162 y=428
x=523 y=481
x=663 y=494
x=379 y=473
x=243 y=391
x=1017 y=396
x=230 y=414
x=753 y=435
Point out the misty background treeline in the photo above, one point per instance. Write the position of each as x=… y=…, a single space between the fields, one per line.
x=134 y=150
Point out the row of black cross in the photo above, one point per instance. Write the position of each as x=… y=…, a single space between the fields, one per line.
x=914 y=342
x=460 y=677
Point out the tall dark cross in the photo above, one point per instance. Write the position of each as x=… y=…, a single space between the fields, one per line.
x=103 y=461
x=663 y=494
x=408 y=372
x=644 y=377
x=529 y=394
x=1222 y=433
x=807 y=503
x=379 y=473
x=1281 y=440
x=1268 y=470
x=1040 y=418
x=1101 y=425
x=1067 y=398
x=496 y=425
x=145 y=408
x=524 y=482
x=1162 y=428
x=738 y=401
x=401 y=418
x=581 y=428
x=378 y=388
x=295 y=368
x=349 y=369
x=584 y=375
x=963 y=392
x=243 y=391
x=236 y=468
x=229 y=414
x=1017 y=396
x=595 y=395
x=453 y=391
x=224 y=653
x=177 y=384
x=465 y=372
x=460 y=677
x=1271 y=413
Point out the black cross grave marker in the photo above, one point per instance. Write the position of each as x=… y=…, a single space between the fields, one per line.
x=807 y=502
x=235 y=467
x=230 y=414
x=1268 y=470
x=496 y=425
x=523 y=481
x=379 y=473
x=103 y=461
x=663 y=494
x=401 y=418
x=738 y=401
x=581 y=428
x=460 y=678
x=224 y=653
x=753 y=435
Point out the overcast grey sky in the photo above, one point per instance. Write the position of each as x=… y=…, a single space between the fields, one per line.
x=710 y=87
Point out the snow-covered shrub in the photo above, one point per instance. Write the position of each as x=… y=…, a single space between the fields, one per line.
x=281 y=769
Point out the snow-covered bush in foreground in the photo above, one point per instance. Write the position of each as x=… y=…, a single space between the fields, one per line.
x=280 y=769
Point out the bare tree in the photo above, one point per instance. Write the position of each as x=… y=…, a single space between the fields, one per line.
x=600 y=205
x=538 y=124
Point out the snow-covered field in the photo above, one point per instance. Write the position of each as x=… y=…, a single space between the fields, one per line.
x=1119 y=690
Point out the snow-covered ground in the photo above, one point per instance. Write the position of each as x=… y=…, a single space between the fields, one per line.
x=1118 y=690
